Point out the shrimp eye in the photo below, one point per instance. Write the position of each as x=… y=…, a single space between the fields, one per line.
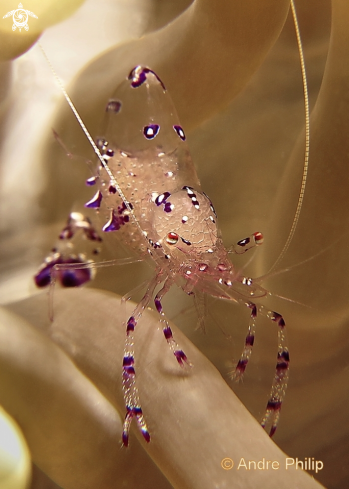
x=172 y=238
x=259 y=238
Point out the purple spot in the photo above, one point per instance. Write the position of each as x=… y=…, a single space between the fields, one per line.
x=113 y=106
x=180 y=356
x=186 y=187
x=125 y=439
x=131 y=324
x=138 y=78
x=129 y=370
x=241 y=366
x=67 y=278
x=151 y=131
x=168 y=207
x=113 y=224
x=249 y=340
x=128 y=361
x=161 y=199
x=272 y=431
x=253 y=308
x=276 y=317
x=192 y=196
x=284 y=355
x=43 y=277
x=139 y=74
x=158 y=304
x=91 y=181
x=186 y=241
x=123 y=207
x=112 y=189
x=95 y=202
x=116 y=221
x=243 y=242
x=74 y=278
x=167 y=332
x=283 y=361
x=110 y=152
x=180 y=132
x=274 y=405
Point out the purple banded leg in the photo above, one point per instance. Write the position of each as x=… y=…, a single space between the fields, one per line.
x=249 y=340
x=134 y=412
x=129 y=387
x=278 y=390
x=178 y=353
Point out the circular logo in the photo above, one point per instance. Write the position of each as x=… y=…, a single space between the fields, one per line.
x=227 y=463
x=20 y=18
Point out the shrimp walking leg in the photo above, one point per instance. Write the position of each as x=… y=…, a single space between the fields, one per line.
x=129 y=387
x=249 y=341
x=279 y=386
x=178 y=353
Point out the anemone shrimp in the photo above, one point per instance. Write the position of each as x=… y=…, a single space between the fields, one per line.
x=154 y=201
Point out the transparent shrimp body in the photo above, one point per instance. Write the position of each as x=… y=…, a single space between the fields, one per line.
x=173 y=221
x=150 y=197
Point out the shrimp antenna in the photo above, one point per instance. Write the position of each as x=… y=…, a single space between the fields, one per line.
x=307 y=141
x=90 y=139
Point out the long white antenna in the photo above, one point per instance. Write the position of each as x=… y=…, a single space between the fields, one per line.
x=307 y=141
x=91 y=141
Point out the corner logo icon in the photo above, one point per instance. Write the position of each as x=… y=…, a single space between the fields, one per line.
x=20 y=18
